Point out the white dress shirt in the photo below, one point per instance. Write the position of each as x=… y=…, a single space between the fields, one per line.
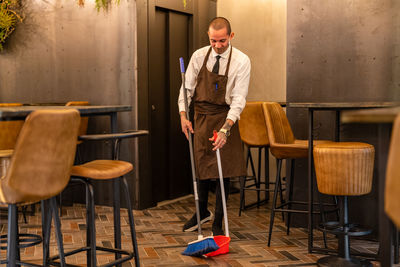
x=238 y=78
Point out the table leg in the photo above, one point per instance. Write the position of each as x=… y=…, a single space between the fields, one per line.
x=310 y=179
x=116 y=193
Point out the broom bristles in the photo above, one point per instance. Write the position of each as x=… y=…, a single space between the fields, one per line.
x=200 y=247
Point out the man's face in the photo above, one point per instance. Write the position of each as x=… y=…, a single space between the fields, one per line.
x=219 y=39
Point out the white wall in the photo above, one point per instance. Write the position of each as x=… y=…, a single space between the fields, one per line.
x=260 y=32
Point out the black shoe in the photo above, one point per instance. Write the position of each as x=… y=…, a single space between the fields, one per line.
x=191 y=225
x=217 y=230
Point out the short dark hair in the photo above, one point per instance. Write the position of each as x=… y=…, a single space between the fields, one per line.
x=219 y=23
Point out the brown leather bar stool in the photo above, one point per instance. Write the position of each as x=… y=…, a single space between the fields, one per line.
x=84 y=120
x=106 y=170
x=253 y=132
x=82 y=131
x=284 y=145
x=38 y=171
x=392 y=186
x=344 y=169
x=9 y=131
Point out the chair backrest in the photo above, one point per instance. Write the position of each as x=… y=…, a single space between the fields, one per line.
x=43 y=157
x=392 y=187
x=84 y=120
x=252 y=127
x=9 y=130
x=279 y=130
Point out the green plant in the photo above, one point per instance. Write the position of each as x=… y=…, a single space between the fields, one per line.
x=10 y=16
x=104 y=5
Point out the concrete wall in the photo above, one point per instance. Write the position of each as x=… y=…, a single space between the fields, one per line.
x=342 y=51
x=64 y=52
x=260 y=32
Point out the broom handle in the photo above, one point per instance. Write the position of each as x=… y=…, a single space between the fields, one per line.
x=196 y=195
x=221 y=183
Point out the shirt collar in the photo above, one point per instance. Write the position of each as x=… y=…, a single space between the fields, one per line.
x=223 y=55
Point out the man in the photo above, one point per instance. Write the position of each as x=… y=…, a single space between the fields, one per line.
x=217 y=80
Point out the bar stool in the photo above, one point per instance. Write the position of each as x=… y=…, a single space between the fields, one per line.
x=253 y=132
x=344 y=169
x=9 y=131
x=283 y=145
x=82 y=131
x=38 y=171
x=106 y=170
x=392 y=186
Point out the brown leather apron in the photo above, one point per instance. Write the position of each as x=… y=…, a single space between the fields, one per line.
x=210 y=111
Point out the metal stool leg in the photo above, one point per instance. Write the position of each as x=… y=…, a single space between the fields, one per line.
x=57 y=224
x=12 y=236
x=258 y=177
x=131 y=222
x=266 y=163
x=242 y=181
x=278 y=177
x=396 y=245
x=290 y=194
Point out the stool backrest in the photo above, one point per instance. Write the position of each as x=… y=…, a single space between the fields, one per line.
x=252 y=127
x=392 y=187
x=9 y=130
x=43 y=157
x=84 y=120
x=279 y=130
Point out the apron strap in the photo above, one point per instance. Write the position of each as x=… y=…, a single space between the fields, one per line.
x=229 y=62
x=227 y=66
x=206 y=59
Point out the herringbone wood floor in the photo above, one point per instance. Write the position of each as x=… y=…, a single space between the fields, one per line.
x=161 y=240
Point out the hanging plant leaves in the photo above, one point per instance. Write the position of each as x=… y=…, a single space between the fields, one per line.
x=104 y=5
x=10 y=16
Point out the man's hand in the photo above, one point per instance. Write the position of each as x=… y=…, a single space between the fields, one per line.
x=186 y=125
x=220 y=141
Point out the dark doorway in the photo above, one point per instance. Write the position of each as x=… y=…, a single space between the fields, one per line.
x=169 y=40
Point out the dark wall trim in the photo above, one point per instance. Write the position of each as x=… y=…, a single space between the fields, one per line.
x=202 y=11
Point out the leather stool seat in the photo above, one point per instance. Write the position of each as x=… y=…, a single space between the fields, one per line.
x=102 y=169
x=344 y=169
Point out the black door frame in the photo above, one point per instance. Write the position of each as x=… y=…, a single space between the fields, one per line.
x=145 y=19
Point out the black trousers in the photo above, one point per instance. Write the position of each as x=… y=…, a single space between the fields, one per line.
x=204 y=187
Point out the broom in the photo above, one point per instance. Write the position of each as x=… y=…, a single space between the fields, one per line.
x=202 y=245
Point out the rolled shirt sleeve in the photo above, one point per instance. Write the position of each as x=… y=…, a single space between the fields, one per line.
x=237 y=96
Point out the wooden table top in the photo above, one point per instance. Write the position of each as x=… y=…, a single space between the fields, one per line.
x=341 y=105
x=23 y=111
x=377 y=115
